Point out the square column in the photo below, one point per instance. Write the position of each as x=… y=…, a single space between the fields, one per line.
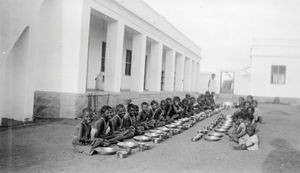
x=193 y=83
x=138 y=62
x=155 y=67
x=187 y=74
x=198 y=77
x=74 y=46
x=180 y=63
x=113 y=62
x=170 y=69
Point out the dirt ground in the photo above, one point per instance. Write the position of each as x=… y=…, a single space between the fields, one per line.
x=47 y=148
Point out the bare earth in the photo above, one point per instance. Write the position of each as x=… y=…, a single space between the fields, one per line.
x=47 y=148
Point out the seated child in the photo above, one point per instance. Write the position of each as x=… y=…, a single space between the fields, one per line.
x=101 y=128
x=117 y=124
x=169 y=112
x=82 y=134
x=130 y=120
x=193 y=101
x=144 y=117
x=117 y=120
x=240 y=103
x=250 y=114
x=163 y=107
x=241 y=129
x=251 y=140
x=257 y=113
x=249 y=98
x=157 y=114
x=188 y=96
x=187 y=109
x=199 y=105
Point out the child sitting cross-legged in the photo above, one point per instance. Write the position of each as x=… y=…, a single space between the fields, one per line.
x=250 y=141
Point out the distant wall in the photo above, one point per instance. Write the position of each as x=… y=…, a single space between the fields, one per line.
x=261 y=77
x=70 y=105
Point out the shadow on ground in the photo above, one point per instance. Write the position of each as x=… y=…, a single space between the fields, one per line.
x=284 y=158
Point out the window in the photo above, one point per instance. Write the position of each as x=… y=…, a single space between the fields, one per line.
x=128 y=62
x=103 y=56
x=278 y=74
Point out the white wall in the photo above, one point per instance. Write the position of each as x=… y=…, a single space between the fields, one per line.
x=203 y=82
x=98 y=30
x=242 y=83
x=261 y=77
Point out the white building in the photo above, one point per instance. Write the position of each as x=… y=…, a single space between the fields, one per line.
x=274 y=69
x=272 y=72
x=53 y=50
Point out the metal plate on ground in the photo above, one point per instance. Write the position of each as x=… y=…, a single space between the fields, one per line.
x=142 y=138
x=106 y=150
x=211 y=138
x=129 y=144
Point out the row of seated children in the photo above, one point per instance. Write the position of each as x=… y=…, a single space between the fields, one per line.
x=249 y=106
x=244 y=125
x=111 y=125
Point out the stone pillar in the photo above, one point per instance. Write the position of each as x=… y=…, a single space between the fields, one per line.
x=187 y=74
x=75 y=35
x=138 y=62
x=180 y=64
x=170 y=69
x=193 y=82
x=113 y=62
x=155 y=66
x=198 y=77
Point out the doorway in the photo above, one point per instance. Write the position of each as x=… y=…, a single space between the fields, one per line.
x=227 y=83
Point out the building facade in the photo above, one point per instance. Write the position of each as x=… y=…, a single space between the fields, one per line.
x=274 y=68
x=56 y=52
x=272 y=72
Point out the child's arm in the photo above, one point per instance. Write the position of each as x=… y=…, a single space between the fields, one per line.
x=241 y=134
x=248 y=146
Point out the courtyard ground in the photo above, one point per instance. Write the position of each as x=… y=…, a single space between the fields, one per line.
x=47 y=148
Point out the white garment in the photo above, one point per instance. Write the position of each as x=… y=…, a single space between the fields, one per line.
x=252 y=140
x=256 y=114
x=100 y=81
x=212 y=85
x=243 y=139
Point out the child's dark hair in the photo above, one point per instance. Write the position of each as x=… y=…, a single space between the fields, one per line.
x=86 y=110
x=120 y=106
x=130 y=106
x=162 y=101
x=104 y=109
x=241 y=98
x=153 y=102
x=136 y=107
x=246 y=102
x=168 y=99
x=176 y=98
x=145 y=103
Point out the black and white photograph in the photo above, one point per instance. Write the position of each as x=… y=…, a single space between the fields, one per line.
x=149 y=86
